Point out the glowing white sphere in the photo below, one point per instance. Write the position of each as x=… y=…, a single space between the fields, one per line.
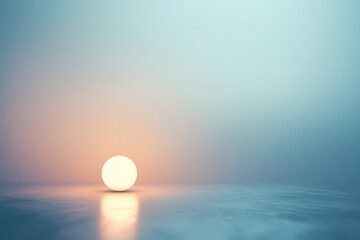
x=119 y=173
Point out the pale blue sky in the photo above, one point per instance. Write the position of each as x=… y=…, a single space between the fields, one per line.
x=239 y=91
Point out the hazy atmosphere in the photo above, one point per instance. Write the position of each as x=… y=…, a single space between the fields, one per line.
x=191 y=91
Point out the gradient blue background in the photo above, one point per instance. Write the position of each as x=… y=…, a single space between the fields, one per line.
x=192 y=91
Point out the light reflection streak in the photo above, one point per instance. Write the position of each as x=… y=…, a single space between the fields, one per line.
x=119 y=216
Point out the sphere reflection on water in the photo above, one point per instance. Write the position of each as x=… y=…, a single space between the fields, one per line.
x=119 y=216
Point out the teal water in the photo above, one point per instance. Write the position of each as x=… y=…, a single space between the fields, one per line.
x=178 y=212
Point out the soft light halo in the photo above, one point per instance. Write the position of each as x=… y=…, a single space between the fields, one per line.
x=119 y=173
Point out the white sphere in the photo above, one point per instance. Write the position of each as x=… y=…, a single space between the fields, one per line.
x=119 y=173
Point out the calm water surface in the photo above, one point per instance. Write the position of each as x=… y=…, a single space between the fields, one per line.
x=178 y=212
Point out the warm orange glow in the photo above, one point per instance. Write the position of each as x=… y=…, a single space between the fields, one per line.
x=76 y=130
